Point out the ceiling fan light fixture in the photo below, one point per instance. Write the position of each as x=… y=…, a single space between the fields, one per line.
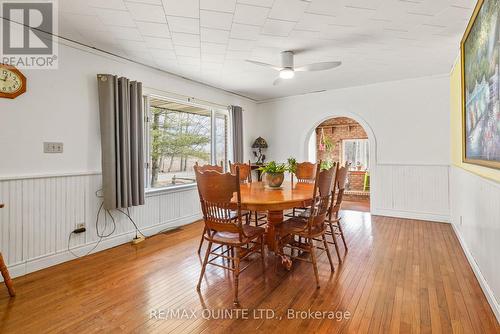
x=287 y=73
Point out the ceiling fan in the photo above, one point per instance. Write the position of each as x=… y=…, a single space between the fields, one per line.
x=287 y=69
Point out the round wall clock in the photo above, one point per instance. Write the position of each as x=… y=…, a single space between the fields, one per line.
x=12 y=82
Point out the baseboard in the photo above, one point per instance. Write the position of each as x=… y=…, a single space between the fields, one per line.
x=411 y=215
x=495 y=306
x=49 y=260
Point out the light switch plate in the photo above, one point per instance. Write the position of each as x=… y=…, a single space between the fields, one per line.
x=51 y=147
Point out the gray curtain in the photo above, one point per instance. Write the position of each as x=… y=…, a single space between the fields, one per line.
x=237 y=120
x=122 y=147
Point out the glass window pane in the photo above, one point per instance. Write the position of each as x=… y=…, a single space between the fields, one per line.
x=180 y=135
x=356 y=154
x=221 y=134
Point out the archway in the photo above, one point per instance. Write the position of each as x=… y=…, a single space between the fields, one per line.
x=346 y=138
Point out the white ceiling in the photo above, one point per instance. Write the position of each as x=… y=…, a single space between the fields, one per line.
x=208 y=40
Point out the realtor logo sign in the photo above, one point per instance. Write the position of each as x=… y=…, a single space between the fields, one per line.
x=28 y=34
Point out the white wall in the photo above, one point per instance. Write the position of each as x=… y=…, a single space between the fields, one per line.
x=46 y=195
x=62 y=105
x=476 y=219
x=407 y=123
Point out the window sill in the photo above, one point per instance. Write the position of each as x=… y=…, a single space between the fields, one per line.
x=159 y=191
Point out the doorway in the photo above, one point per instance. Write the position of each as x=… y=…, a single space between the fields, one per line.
x=344 y=140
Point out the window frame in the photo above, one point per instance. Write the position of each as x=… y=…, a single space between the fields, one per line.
x=214 y=111
x=342 y=154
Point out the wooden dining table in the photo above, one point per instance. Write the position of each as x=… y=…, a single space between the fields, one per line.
x=256 y=196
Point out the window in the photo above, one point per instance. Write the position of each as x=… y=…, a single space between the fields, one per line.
x=355 y=152
x=179 y=135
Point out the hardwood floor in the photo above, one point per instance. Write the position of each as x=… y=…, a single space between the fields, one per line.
x=399 y=276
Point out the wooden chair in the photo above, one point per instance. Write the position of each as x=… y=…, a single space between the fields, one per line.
x=246 y=177
x=312 y=227
x=334 y=221
x=216 y=168
x=305 y=172
x=216 y=191
x=219 y=169
x=245 y=171
x=5 y=273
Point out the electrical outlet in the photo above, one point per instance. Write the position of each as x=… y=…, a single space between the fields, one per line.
x=81 y=225
x=52 y=147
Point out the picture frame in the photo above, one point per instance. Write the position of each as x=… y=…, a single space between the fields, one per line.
x=480 y=86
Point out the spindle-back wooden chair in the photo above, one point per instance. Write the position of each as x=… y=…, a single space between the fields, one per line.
x=216 y=193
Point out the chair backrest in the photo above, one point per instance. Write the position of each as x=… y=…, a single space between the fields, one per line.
x=305 y=172
x=216 y=191
x=245 y=171
x=322 y=195
x=207 y=167
x=340 y=184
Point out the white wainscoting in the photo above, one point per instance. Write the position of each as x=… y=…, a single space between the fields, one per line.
x=475 y=204
x=41 y=212
x=411 y=191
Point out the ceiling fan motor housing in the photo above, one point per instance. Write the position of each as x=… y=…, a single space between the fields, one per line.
x=287 y=59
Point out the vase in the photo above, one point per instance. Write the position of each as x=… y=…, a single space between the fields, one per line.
x=274 y=180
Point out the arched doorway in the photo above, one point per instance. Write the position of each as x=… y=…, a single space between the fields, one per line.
x=344 y=140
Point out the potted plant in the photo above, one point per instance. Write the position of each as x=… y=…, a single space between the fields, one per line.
x=275 y=173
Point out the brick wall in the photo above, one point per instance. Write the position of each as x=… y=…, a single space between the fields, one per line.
x=337 y=129
x=356 y=180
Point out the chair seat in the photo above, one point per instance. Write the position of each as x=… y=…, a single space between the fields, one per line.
x=298 y=226
x=231 y=238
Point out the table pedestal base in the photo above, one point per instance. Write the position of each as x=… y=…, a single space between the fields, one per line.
x=275 y=218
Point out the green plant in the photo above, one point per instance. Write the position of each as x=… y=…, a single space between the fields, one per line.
x=273 y=168
x=329 y=144
x=292 y=164
x=326 y=164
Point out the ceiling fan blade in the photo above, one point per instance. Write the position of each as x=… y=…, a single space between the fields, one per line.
x=263 y=64
x=319 y=66
x=277 y=82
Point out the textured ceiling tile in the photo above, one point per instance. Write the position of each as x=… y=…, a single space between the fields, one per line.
x=213 y=58
x=240 y=45
x=244 y=31
x=325 y=7
x=110 y=4
x=187 y=8
x=153 y=29
x=250 y=14
x=145 y=12
x=186 y=51
x=183 y=24
x=214 y=35
x=314 y=22
x=277 y=27
x=127 y=33
x=262 y=3
x=115 y=17
x=216 y=20
x=183 y=39
x=159 y=43
x=289 y=10
x=218 y=5
x=213 y=48
x=76 y=7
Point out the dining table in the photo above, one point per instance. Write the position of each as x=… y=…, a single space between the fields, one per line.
x=257 y=196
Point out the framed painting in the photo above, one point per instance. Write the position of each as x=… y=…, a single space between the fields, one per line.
x=480 y=59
